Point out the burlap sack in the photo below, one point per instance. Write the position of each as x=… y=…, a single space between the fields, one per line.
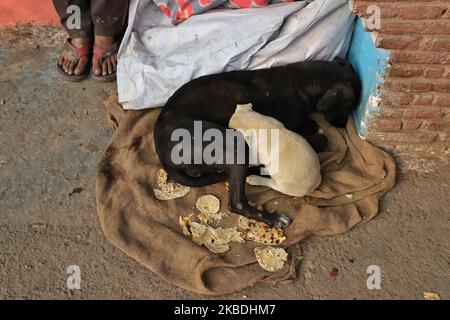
x=355 y=176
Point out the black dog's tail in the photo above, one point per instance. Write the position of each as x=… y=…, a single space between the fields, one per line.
x=188 y=181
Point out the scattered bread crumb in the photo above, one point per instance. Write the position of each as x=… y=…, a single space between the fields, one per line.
x=431 y=296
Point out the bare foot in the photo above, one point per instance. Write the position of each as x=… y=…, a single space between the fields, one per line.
x=70 y=63
x=106 y=66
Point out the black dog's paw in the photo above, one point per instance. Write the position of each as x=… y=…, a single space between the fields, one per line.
x=308 y=127
x=258 y=171
x=318 y=142
x=280 y=221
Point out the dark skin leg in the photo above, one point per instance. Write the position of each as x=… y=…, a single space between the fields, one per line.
x=318 y=142
x=257 y=171
x=104 y=66
x=69 y=63
x=309 y=129
x=237 y=201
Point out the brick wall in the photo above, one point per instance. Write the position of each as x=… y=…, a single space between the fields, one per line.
x=415 y=107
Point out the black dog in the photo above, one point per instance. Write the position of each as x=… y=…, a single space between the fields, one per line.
x=288 y=93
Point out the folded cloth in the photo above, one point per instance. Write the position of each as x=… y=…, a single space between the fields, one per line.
x=156 y=57
x=355 y=176
x=181 y=10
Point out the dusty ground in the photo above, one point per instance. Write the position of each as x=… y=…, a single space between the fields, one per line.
x=52 y=134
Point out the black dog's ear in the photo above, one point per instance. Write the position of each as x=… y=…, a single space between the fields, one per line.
x=341 y=61
x=334 y=96
x=329 y=99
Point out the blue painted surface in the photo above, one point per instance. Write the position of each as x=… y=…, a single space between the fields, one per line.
x=371 y=64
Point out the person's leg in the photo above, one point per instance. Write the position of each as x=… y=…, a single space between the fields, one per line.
x=79 y=37
x=109 y=22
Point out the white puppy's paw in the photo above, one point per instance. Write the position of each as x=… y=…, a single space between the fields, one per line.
x=254 y=180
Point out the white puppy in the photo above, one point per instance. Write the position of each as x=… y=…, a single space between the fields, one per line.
x=292 y=164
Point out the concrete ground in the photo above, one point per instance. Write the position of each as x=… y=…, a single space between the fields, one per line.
x=52 y=134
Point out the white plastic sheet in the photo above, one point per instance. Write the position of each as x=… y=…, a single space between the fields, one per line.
x=156 y=57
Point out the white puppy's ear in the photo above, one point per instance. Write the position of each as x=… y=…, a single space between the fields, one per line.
x=244 y=107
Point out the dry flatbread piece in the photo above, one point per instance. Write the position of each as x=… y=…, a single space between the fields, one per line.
x=185 y=224
x=211 y=217
x=168 y=190
x=260 y=232
x=208 y=204
x=217 y=240
x=270 y=258
x=431 y=296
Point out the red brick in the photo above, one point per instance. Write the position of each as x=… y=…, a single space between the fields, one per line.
x=446 y=14
x=411 y=124
x=437 y=125
x=400 y=26
x=402 y=137
x=434 y=72
x=446 y=73
x=389 y=41
x=402 y=10
x=437 y=27
x=406 y=71
x=446 y=116
x=386 y=125
x=423 y=99
x=418 y=85
x=443 y=101
x=392 y=98
x=387 y=9
x=420 y=12
x=424 y=113
x=446 y=139
x=424 y=150
x=442 y=86
x=440 y=45
x=407 y=85
x=419 y=57
x=391 y=113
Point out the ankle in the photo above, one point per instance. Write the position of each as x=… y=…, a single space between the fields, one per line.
x=79 y=42
x=103 y=41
